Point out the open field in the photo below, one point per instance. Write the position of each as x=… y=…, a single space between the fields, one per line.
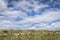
x=29 y=35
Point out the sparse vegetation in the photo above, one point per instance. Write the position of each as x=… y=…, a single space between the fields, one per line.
x=29 y=35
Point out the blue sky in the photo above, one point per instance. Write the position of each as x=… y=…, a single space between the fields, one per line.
x=30 y=14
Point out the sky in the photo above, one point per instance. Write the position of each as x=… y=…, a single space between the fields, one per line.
x=30 y=14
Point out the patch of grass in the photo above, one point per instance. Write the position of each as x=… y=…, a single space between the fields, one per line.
x=29 y=35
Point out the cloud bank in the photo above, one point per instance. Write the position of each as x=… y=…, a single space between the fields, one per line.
x=29 y=15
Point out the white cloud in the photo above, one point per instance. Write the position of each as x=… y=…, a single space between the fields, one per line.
x=48 y=16
x=56 y=25
x=38 y=7
x=34 y=22
x=3 y=5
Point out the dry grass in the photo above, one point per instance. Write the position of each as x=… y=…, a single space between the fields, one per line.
x=29 y=35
